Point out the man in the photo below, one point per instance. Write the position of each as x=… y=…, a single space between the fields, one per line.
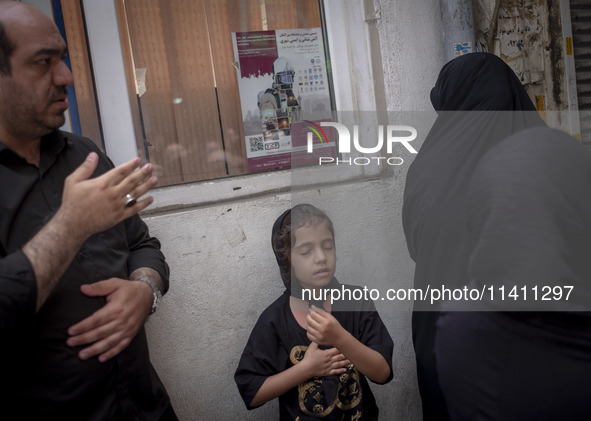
x=79 y=272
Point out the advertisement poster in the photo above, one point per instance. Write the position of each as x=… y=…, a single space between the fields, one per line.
x=284 y=95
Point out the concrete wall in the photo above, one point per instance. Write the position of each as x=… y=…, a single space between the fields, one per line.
x=224 y=272
x=412 y=51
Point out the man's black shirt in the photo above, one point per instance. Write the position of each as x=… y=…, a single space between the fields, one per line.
x=42 y=377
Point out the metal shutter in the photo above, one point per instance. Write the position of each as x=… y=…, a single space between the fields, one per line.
x=581 y=25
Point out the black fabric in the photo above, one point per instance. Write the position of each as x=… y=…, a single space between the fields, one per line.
x=528 y=221
x=277 y=342
x=42 y=377
x=282 y=260
x=497 y=367
x=529 y=224
x=480 y=102
x=169 y=415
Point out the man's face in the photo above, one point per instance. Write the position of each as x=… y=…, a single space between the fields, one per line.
x=34 y=94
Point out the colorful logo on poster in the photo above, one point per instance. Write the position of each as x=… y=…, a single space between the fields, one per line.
x=323 y=138
x=385 y=135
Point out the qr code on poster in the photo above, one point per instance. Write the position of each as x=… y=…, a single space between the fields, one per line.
x=256 y=143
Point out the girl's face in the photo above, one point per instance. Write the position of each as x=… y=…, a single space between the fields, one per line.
x=313 y=258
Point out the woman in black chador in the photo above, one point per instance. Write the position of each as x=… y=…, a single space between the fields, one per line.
x=479 y=101
x=527 y=357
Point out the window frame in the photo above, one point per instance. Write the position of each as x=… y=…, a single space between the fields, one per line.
x=351 y=51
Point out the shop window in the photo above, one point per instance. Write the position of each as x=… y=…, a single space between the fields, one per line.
x=183 y=62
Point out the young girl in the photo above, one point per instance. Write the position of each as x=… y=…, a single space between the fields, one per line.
x=314 y=357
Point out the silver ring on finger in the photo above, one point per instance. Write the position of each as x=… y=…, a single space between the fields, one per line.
x=130 y=201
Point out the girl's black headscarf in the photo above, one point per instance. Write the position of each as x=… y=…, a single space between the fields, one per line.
x=480 y=102
x=529 y=221
x=279 y=248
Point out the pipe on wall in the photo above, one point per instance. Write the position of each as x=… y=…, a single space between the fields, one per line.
x=458 y=27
